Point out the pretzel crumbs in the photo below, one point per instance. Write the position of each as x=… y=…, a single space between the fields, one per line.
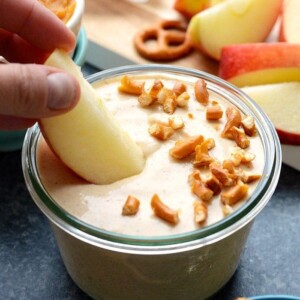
x=160 y=131
x=184 y=148
x=248 y=125
x=214 y=112
x=200 y=211
x=131 y=206
x=131 y=86
x=163 y=211
x=235 y=194
x=201 y=92
x=234 y=118
x=227 y=179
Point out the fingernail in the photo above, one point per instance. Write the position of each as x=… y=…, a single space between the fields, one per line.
x=61 y=91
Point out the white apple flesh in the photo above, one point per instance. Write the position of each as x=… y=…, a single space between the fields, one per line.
x=88 y=139
x=281 y=102
x=233 y=22
x=290 y=22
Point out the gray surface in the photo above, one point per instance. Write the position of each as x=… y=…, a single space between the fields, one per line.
x=31 y=268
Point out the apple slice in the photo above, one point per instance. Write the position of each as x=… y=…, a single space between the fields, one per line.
x=88 y=139
x=188 y=8
x=260 y=63
x=281 y=102
x=290 y=22
x=232 y=22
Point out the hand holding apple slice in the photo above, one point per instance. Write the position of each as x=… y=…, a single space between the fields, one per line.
x=88 y=139
x=260 y=63
x=281 y=102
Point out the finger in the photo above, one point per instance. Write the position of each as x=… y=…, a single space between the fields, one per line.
x=36 y=24
x=15 y=123
x=15 y=49
x=36 y=91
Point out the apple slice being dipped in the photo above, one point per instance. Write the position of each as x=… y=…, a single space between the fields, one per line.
x=281 y=102
x=88 y=139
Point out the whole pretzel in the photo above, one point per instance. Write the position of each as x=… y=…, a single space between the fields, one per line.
x=171 y=42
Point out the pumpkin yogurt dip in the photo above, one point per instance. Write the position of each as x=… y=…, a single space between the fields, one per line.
x=161 y=249
x=199 y=168
x=63 y=9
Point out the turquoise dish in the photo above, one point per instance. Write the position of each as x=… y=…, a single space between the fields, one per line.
x=13 y=140
x=275 y=297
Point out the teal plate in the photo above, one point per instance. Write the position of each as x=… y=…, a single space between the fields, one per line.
x=275 y=297
x=13 y=140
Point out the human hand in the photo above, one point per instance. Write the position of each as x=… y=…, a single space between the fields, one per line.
x=28 y=90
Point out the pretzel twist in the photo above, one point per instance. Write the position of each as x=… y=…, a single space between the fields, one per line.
x=171 y=41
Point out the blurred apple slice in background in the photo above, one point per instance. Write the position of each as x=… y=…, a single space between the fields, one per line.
x=290 y=22
x=281 y=102
x=88 y=139
x=233 y=22
x=260 y=63
x=188 y=8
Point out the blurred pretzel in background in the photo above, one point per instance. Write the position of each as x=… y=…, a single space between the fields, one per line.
x=169 y=41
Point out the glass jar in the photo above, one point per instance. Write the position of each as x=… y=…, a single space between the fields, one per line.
x=192 y=265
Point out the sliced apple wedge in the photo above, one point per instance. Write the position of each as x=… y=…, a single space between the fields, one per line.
x=188 y=8
x=281 y=102
x=260 y=63
x=290 y=22
x=88 y=139
x=232 y=22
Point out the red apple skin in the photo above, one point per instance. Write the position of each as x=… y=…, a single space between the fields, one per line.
x=288 y=138
x=243 y=58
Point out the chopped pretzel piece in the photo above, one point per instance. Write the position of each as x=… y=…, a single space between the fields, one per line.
x=201 y=92
x=235 y=193
x=222 y=174
x=202 y=158
x=200 y=211
x=176 y=122
x=163 y=211
x=240 y=156
x=131 y=206
x=165 y=93
x=249 y=125
x=249 y=178
x=201 y=191
x=184 y=148
x=160 y=131
x=169 y=105
x=194 y=176
x=145 y=99
x=183 y=99
x=234 y=118
x=155 y=89
x=214 y=112
x=130 y=86
x=229 y=165
x=179 y=88
x=213 y=184
x=240 y=137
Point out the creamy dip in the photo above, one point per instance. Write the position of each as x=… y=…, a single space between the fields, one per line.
x=63 y=9
x=101 y=205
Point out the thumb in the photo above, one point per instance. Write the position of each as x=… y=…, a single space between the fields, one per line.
x=36 y=91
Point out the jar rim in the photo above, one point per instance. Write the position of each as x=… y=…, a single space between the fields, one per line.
x=198 y=237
